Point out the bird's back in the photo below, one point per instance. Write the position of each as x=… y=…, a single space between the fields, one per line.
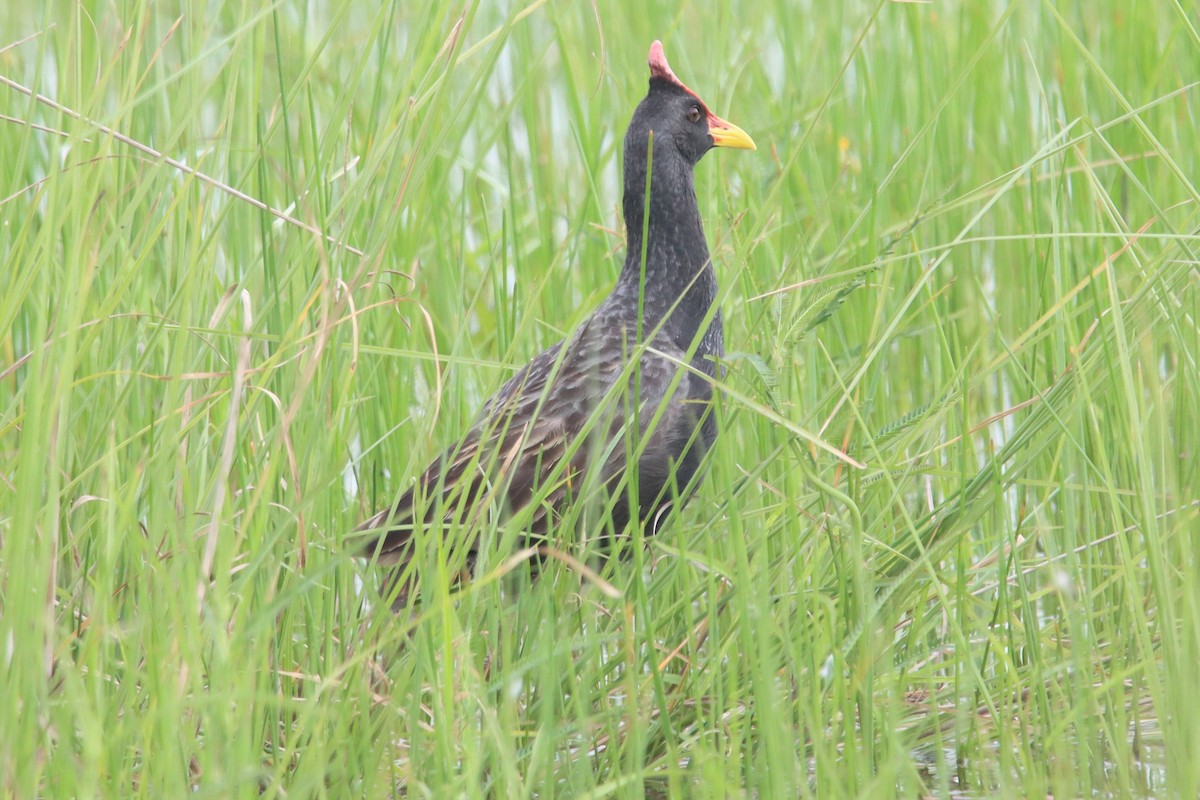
x=565 y=430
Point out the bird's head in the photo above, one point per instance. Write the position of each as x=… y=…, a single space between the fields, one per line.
x=678 y=117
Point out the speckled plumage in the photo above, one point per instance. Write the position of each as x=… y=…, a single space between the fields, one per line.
x=559 y=430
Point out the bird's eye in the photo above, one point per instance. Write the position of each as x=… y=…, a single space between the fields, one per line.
x=694 y=114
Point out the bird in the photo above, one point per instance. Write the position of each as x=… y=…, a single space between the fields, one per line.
x=619 y=413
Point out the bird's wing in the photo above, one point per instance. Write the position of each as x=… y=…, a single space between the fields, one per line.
x=463 y=480
x=550 y=432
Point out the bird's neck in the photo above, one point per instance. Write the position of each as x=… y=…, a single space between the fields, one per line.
x=667 y=265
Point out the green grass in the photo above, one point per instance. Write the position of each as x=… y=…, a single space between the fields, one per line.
x=964 y=256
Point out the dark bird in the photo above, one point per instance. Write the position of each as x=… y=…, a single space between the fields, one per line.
x=632 y=384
